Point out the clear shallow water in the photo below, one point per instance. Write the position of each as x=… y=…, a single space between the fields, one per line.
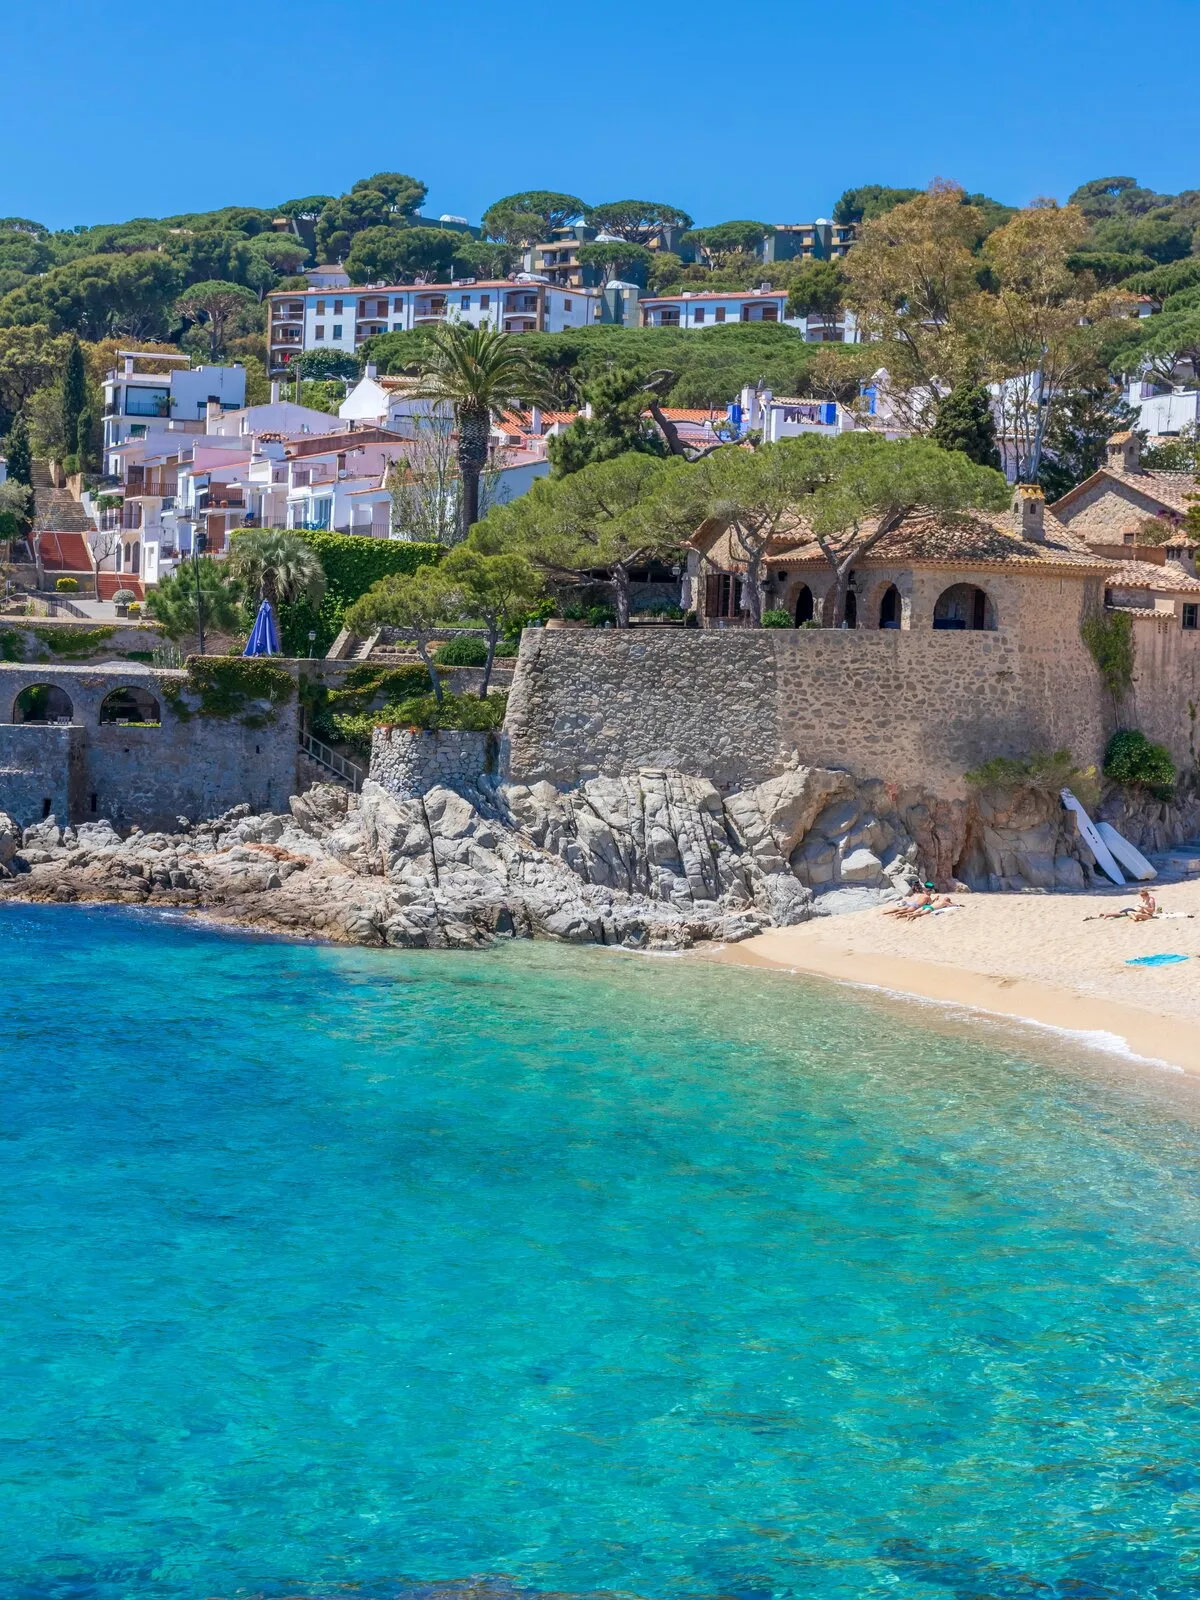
x=578 y=1271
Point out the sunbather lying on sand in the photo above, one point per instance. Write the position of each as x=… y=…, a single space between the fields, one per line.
x=923 y=904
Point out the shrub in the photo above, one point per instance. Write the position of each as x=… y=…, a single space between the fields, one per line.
x=123 y=597
x=1131 y=758
x=67 y=585
x=1046 y=772
x=599 y=616
x=71 y=465
x=467 y=650
x=811 y=623
x=463 y=711
x=776 y=619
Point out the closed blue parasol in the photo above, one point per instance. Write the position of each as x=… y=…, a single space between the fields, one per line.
x=264 y=635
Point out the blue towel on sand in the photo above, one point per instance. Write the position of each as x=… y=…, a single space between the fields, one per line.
x=1155 y=961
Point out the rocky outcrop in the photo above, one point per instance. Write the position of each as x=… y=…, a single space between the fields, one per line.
x=655 y=861
x=660 y=859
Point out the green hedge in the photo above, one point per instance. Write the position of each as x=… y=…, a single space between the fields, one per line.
x=352 y=563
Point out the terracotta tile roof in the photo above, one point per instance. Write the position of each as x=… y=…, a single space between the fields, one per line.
x=932 y=538
x=683 y=414
x=1178 y=490
x=1168 y=579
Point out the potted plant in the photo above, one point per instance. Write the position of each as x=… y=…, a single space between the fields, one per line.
x=122 y=600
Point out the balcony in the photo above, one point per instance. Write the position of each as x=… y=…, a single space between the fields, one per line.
x=285 y=335
x=213 y=500
x=520 y=303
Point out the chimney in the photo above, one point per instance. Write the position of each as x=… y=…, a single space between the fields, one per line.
x=535 y=421
x=1029 y=508
x=274 y=391
x=128 y=373
x=1124 y=453
x=371 y=370
x=212 y=413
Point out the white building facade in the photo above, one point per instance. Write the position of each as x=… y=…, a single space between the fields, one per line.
x=340 y=320
x=140 y=404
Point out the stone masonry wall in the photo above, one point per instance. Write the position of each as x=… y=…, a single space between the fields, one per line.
x=40 y=771
x=194 y=767
x=408 y=763
x=913 y=708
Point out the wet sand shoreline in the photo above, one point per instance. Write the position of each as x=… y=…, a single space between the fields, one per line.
x=1029 y=957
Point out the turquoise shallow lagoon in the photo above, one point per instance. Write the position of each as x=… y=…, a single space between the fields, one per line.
x=328 y=1272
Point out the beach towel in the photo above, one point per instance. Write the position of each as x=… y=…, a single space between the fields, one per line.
x=1164 y=960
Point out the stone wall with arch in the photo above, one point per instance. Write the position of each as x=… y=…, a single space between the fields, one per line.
x=188 y=765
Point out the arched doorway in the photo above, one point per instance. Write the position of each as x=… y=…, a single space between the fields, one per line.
x=851 y=609
x=964 y=608
x=889 y=607
x=804 y=605
x=43 y=702
x=132 y=705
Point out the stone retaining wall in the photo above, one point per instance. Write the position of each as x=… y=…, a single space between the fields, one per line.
x=916 y=709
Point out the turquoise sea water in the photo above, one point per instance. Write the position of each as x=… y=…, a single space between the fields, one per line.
x=330 y=1272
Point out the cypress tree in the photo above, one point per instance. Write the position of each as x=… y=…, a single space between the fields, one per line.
x=965 y=422
x=74 y=395
x=20 y=461
x=83 y=437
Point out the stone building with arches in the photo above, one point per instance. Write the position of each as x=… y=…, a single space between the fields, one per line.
x=972 y=572
x=129 y=743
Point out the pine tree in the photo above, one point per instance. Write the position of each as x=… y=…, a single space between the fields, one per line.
x=965 y=422
x=74 y=396
x=20 y=460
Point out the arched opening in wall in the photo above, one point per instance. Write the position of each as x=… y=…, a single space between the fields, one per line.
x=964 y=608
x=889 y=607
x=131 y=706
x=851 y=613
x=804 y=605
x=43 y=702
x=135 y=558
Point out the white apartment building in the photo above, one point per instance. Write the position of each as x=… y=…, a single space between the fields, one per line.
x=324 y=319
x=710 y=308
x=139 y=404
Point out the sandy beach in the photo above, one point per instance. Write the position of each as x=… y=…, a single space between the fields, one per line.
x=1032 y=956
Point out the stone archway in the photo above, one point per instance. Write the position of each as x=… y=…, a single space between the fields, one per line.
x=965 y=608
x=805 y=605
x=43 y=703
x=890 y=607
x=131 y=705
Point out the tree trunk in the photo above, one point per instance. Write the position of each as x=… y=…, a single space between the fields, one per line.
x=270 y=589
x=621 y=585
x=754 y=598
x=493 y=627
x=473 y=430
x=841 y=588
x=423 y=652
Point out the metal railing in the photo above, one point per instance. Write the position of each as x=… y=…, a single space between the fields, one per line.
x=325 y=757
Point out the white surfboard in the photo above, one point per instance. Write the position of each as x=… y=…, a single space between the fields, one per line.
x=1095 y=843
x=1129 y=859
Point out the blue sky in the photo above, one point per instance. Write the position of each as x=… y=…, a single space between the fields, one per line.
x=766 y=111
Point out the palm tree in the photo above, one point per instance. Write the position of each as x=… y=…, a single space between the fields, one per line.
x=278 y=565
x=482 y=374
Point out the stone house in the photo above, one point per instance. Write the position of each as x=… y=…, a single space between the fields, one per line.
x=974 y=572
x=1107 y=510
